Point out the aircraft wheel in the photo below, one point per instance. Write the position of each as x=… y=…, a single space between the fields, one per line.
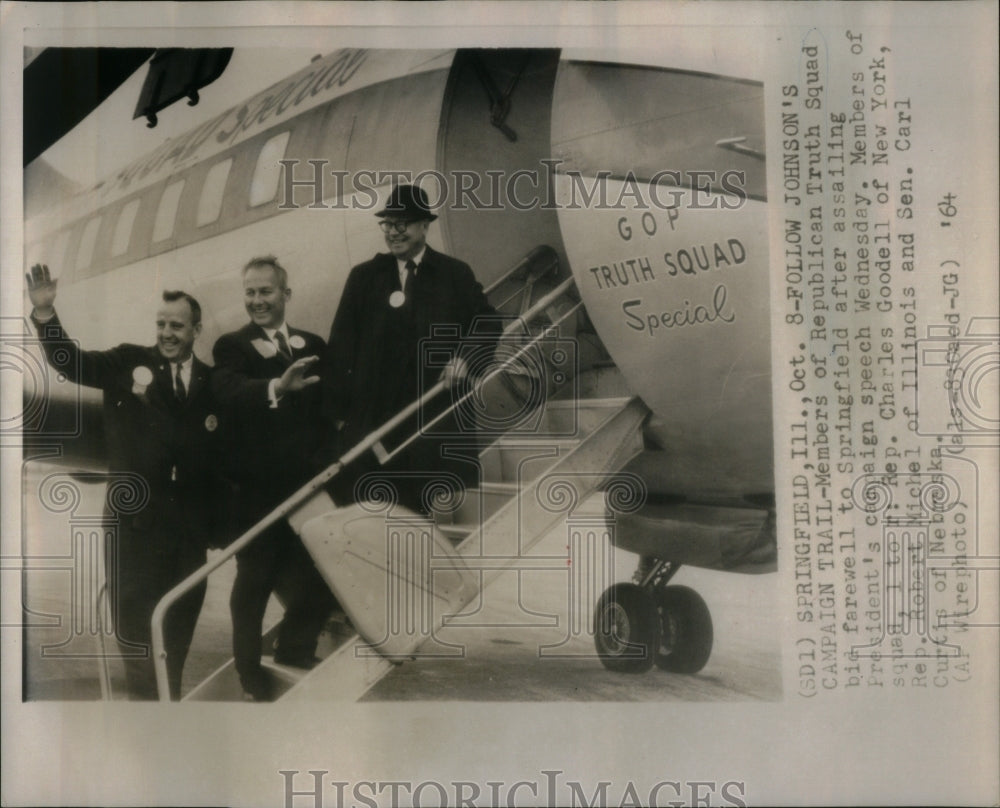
x=626 y=629
x=686 y=641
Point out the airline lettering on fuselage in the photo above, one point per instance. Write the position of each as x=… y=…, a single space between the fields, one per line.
x=323 y=76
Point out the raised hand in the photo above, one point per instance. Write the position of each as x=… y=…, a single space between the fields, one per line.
x=41 y=290
x=294 y=378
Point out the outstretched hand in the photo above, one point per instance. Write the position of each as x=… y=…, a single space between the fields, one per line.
x=294 y=378
x=41 y=289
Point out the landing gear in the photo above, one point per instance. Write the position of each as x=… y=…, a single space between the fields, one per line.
x=686 y=641
x=639 y=624
x=626 y=629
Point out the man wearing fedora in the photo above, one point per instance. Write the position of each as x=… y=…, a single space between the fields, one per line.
x=264 y=377
x=376 y=361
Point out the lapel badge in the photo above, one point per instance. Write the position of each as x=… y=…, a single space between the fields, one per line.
x=142 y=377
x=297 y=342
x=264 y=347
x=211 y=423
x=397 y=299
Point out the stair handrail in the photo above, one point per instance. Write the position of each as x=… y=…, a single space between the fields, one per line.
x=533 y=272
x=529 y=258
x=518 y=325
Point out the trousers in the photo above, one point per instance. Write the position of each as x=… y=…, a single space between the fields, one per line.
x=276 y=562
x=141 y=565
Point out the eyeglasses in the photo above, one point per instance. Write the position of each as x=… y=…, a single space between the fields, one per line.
x=389 y=226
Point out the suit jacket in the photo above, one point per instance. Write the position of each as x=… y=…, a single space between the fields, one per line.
x=175 y=446
x=271 y=451
x=380 y=358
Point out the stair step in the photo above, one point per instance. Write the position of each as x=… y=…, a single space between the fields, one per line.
x=478 y=504
x=577 y=418
x=522 y=460
x=488 y=522
x=600 y=381
x=510 y=533
x=334 y=634
x=500 y=488
x=604 y=450
x=457 y=531
x=224 y=684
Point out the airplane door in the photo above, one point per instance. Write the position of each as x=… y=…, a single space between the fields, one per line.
x=514 y=86
x=675 y=280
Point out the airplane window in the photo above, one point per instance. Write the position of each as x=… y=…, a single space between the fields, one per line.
x=85 y=254
x=52 y=251
x=57 y=258
x=123 y=227
x=267 y=172
x=212 y=193
x=166 y=213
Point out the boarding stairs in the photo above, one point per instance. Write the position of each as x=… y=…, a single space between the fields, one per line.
x=567 y=441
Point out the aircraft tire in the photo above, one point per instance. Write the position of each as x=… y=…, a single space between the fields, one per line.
x=686 y=638
x=626 y=629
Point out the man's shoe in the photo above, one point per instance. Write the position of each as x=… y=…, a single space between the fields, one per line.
x=257 y=688
x=340 y=625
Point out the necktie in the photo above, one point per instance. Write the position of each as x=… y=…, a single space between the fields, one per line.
x=279 y=338
x=179 y=390
x=411 y=271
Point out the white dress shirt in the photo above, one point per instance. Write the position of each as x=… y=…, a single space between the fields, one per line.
x=283 y=328
x=272 y=397
x=403 y=271
x=186 y=366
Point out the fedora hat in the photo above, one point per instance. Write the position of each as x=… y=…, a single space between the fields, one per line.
x=408 y=202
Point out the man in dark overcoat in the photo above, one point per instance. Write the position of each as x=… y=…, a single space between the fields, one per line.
x=262 y=380
x=161 y=423
x=406 y=319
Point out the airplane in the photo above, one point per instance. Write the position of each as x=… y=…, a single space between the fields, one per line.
x=629 y=199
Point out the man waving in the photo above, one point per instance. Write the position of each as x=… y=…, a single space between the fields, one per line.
x=161 y=424
x=262 y=378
